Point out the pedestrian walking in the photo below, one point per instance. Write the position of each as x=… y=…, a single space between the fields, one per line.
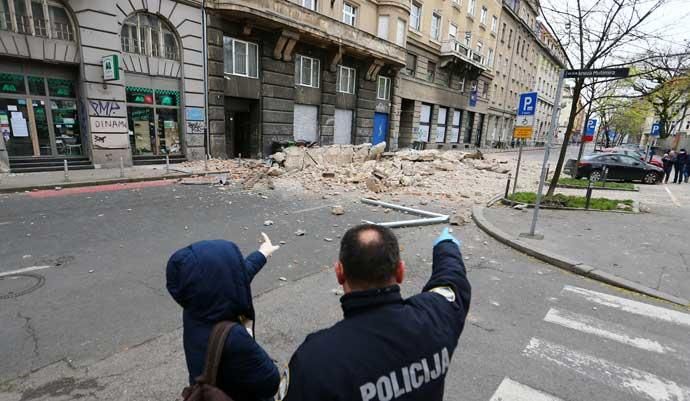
x=679 y=166
x=211 y=281
x=386 y=347
x=668 y=166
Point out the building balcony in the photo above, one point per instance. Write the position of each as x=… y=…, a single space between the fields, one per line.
x=456 y=54
x=298 y=23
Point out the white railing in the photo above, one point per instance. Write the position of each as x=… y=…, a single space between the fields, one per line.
x=458 y=48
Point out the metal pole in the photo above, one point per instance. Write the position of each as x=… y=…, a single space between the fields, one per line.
x=517 y=169
x=507 y=187
x=206 y=162
x=122 y=168
x=589 y=194
x=167 y=163
x=204 y=49
x=66 y=170
x=549 y=139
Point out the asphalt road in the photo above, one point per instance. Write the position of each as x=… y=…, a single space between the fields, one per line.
x=531 y=327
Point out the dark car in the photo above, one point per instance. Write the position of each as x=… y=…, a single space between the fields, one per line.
x=620 y=168
x=656 y=160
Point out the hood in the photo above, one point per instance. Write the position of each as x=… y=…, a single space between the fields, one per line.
x=210 y=281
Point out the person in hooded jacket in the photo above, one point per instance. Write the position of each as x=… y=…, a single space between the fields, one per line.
x=211 y=281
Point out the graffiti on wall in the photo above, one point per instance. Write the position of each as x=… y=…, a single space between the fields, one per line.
x=104 y=108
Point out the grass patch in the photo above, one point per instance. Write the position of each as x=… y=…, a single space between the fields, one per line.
x=561 y=200
x=573 y=182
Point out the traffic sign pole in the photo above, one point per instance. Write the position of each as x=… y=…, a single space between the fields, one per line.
x=547 y=151
x=524 y=125
x=517 y=169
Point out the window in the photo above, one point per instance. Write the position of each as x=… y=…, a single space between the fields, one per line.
x=383 y=27
x=415 y=16
x=494 y=24
x=455 y=126
x=435 y=26
x=383 y=89
x=424 y=123
x=400 y=33
x=410 y=64
x=431 y=71
x=503 y=32
x=310 y=4
x=148 y=35
x=307 y=71
x=482 y=15
x=490 y=61
x=462 y=84
x=240 y=58
x=153 y=118
x=468 y=39
x=452 y=31
x=36 y=17
x=346 y=79
x=349 y=14
x=441 y=122
x=471 y=6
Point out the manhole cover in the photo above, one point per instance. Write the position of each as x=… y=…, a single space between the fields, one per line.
x=20 y=284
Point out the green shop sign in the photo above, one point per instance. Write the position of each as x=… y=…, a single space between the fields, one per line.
x=11 y=83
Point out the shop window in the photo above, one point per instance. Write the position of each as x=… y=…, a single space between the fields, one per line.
x=37 y=86
x=153 y=118
x=307 y=71
x=346 y=79
x=12 y=83
x=241 y=58
x=441 y=121
x=424 y=123
x=383 y=90
x=66 y=127
x=149 y=35
x=61 y=87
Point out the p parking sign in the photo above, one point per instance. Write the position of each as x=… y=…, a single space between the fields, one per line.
x=656 y=129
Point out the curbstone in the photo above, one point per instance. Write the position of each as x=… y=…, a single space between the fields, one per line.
x=565 y=263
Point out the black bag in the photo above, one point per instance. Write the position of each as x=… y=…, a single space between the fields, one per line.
x=205 y=387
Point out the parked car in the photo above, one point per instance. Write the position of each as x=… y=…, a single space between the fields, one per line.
x=656 y=160
x=620 y=168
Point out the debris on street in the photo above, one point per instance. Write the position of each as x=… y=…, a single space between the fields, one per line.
x=338 y=210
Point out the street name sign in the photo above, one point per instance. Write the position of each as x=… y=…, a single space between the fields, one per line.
x=598 y=73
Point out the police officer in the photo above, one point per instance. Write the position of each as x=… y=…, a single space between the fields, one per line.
x=387 y=347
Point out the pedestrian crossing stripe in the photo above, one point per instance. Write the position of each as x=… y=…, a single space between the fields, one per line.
x=615 y=332
x=636 y=382
x=510 y=390
x=630 y=306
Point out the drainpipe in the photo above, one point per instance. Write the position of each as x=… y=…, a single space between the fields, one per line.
x=204 y=49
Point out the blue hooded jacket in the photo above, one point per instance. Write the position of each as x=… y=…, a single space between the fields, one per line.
x=211 y=281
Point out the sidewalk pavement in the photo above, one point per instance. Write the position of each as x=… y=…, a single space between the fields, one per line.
x=648 y=248
x=18 y=182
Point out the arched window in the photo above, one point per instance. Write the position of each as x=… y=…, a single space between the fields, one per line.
x=44 y=18
x=148 y=35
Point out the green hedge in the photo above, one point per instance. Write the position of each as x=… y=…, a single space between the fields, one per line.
x=561 y=200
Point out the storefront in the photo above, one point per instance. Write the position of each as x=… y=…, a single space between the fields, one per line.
x=39 y=113
x=153 y=120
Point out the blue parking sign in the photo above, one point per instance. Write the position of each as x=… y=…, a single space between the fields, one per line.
x=591 y=126
x=656 y=129
x=528 y=104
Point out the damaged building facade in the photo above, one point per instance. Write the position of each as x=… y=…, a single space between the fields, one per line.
x=301 y=71
x=99 y=83
x=262 y=75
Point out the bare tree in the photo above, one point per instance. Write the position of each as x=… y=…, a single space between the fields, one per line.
x=665 y=82
x=593 y=33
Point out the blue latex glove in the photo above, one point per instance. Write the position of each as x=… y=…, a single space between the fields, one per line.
x=446 y=235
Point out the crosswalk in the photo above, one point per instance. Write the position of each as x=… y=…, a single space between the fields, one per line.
x=602 y=341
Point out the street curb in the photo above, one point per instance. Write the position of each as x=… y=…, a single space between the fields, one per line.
x=92 y=183
x=568 y=264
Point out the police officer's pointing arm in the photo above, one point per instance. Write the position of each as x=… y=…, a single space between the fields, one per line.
x=448 y=276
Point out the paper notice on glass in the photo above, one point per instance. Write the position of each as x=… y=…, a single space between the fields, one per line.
x=17 y=115
x=19 y=128
x=11 y=107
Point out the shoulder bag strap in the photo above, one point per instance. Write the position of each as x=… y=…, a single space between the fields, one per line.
x=214 y=352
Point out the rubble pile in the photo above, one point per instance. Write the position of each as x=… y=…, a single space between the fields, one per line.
x=448 y=173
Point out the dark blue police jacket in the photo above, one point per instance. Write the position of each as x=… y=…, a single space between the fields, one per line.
x=387 y=347
x=211 y=281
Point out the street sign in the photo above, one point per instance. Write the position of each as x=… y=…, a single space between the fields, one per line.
x=111 y=67
x=589 y=131
x=522 y=132
x=598 y=73
x=656 y=129
x=527 y=106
